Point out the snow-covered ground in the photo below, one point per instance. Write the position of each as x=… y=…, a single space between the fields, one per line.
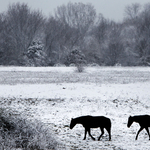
x=56 y=103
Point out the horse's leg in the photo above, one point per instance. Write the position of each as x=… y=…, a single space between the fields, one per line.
x=139 y=132
x=89 y=131
x=85 y=134
x=102 y=130
x=109 y=132
x=148 y=132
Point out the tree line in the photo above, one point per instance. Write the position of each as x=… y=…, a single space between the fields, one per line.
x=75 y=33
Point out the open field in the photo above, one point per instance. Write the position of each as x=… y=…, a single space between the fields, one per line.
x=55 y=95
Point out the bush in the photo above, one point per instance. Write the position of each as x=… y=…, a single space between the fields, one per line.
x=59 y=65
x=93 y=65
x=76 y=57
x=72 y=65
x=18 y=132
x=36 y=56
x=80 y=67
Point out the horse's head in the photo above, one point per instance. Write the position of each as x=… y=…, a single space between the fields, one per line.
x=72 y=123
x=130 y=121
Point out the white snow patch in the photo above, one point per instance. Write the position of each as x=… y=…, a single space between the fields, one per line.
x=57 y=103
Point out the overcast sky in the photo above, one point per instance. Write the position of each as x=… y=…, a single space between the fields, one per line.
x=111 y=9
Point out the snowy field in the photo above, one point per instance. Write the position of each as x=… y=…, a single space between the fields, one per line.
x=54 y=95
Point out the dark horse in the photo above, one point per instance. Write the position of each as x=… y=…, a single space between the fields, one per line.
x=93 y=122
x=144 y=122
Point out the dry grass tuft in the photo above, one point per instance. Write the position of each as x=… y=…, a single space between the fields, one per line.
x=18 y=132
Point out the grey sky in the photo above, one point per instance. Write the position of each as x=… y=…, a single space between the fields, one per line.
x=111 y=9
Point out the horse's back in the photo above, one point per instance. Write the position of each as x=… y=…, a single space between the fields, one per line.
x=145 y=117
x=102 y=118
x=143 y=120
x=96 y=118
x=103 y=121
x=96 y=121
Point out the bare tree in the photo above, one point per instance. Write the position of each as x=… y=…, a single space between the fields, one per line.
x=76 y=15
x=132 y=11
x=139 y=22
x=143 y=39
x=101 y=28
x=21 y=26
x=67 y=29
x=114 y=46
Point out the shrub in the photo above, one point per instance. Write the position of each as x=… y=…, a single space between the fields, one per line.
x=18 y=132
x=78 y=58
x=59 y=65
x=93 y=65
x=35 y=55
x=80 y=67
x=72 y=65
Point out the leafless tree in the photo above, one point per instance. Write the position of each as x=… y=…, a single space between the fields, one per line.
x=20 y=28
x=132 y=11
x=68 y=28
x=76 y=15
x=114 y=46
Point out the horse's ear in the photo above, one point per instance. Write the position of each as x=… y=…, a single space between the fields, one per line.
x=71 y=118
